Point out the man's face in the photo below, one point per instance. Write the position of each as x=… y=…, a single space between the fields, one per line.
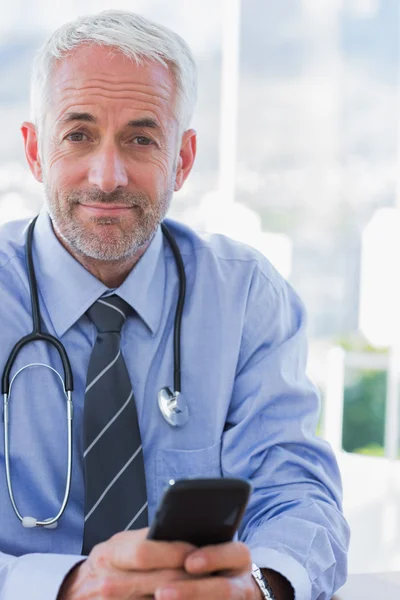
x=109 y=151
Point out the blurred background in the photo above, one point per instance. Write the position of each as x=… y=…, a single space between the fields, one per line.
x=298 y=155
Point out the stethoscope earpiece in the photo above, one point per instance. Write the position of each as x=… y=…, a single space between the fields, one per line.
x=31 y=522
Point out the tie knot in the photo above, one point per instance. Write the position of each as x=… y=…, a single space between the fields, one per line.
x=109 y=314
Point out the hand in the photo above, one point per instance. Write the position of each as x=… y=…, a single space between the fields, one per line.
x=127 y=567
x=222 y=572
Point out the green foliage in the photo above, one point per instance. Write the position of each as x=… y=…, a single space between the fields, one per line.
x=364 y=413
x=371 y=450
x=356 y=342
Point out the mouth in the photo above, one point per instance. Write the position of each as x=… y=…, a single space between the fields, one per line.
x=106 y=210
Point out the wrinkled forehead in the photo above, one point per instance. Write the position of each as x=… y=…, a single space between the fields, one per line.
x=103 y=74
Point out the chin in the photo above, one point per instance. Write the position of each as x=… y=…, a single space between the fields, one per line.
x=108 y=242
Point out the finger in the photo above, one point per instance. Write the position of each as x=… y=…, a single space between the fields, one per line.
x=223 y=588
x=130 y=550
x=233 y=557
x=125 y=584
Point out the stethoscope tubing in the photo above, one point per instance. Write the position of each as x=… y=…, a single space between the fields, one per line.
x=179 y=307
x=38 y=335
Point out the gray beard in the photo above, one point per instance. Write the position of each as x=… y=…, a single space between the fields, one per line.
x=109 y=246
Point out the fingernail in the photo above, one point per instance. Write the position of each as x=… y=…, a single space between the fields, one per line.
x=197 y=563
x=166 y=594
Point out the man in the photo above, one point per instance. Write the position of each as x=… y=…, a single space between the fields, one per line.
x=110 y=139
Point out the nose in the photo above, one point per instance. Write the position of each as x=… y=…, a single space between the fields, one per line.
x=107 y=170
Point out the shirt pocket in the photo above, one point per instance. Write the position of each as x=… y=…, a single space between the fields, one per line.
x=186 y=464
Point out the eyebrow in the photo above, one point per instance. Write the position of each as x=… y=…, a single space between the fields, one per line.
x=145 y=122
x=78 y=116
x=88 y=118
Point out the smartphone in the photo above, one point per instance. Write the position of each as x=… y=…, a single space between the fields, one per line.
x=201 y=511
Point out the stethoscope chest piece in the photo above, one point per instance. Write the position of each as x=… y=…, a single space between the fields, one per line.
x=173 y=408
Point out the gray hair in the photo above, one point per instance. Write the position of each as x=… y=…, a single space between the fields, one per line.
x=136 y=37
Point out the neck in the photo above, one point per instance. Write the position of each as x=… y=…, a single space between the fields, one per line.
x=111 y=273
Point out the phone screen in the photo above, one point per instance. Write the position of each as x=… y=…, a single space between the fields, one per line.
x=201 y=511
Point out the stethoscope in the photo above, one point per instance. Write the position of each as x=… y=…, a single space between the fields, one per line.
x=173 y=408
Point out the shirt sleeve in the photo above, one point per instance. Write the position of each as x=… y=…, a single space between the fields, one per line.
x=294 y=522
x=34 y=576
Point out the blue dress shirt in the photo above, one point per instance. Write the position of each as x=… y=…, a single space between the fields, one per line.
x=253 y=412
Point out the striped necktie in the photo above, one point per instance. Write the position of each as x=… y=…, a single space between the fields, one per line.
x=115 y=485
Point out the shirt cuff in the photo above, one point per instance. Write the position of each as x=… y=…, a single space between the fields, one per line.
x=38 y=576
x=266 y=558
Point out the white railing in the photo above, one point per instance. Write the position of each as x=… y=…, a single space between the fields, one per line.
x=371 y=503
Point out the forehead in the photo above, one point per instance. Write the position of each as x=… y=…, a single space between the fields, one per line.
x=100 y=76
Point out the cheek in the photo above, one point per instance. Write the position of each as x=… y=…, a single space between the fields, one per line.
x=61 y=172
x=155 y=172
x=57 y=153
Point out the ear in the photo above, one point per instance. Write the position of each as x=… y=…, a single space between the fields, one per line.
x=186 y=158
x=30 y=136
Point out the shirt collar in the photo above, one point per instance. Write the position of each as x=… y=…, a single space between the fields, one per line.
x=68 y=289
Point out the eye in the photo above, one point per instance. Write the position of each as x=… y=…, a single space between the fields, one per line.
x=76 y=136
x=142 y=140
